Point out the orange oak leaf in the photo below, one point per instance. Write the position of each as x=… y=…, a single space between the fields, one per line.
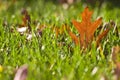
x=86 y=28
x=100 y=37
x=107 y=27
x=74 y=37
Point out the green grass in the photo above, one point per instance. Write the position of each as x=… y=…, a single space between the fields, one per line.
x=45 y=59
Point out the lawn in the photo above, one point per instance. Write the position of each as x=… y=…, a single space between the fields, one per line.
x=35 y=43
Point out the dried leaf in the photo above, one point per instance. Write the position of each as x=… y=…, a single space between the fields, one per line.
x=57 y=31
x=117 y=71
x=104 y=33
x=5 y=23
x=115 y=53
x=100 y=37
x=115 y=58
x=26 y=19
x=86 y=28
x=21 y=73
x=74 y=38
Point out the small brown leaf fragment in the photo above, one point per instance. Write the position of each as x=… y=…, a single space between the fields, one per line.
x=117 y=71
x=115 y=58
x=61 y=30
x=5 y=23
x=26 y=19
x=11 y=29
x=21 y=73
x=115 y=53
x=57 y=32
